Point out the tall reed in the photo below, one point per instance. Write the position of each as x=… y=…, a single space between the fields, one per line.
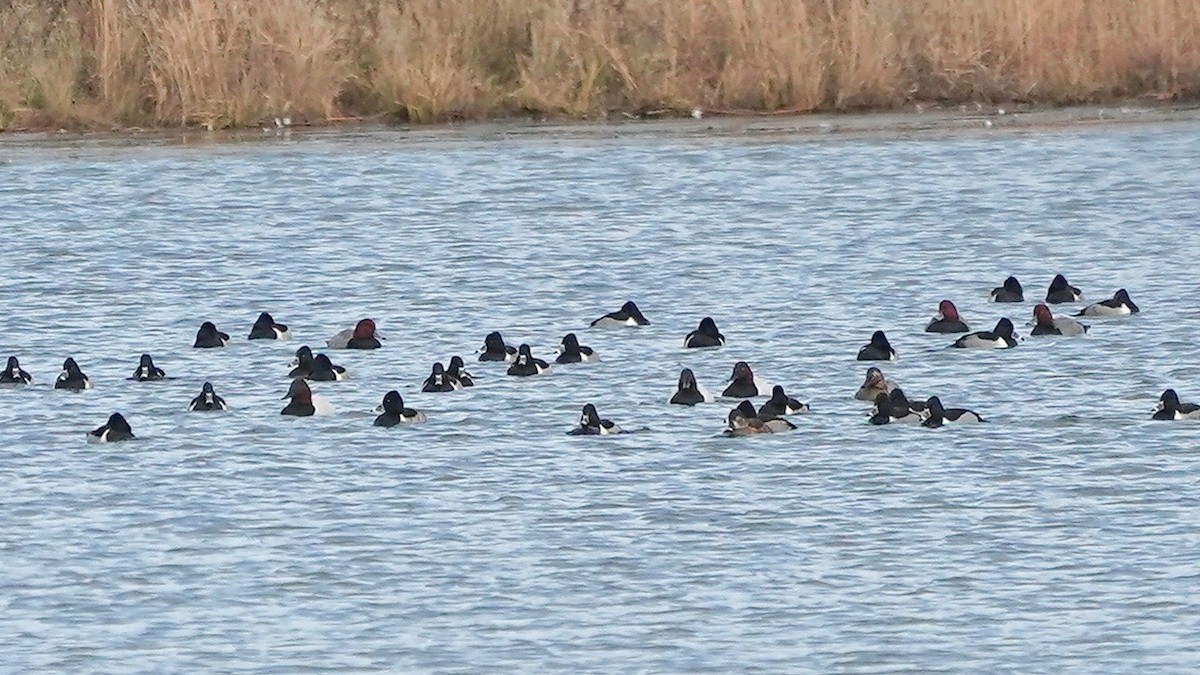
x=239 y=62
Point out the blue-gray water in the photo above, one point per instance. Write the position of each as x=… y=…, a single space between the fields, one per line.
x=1061 y=536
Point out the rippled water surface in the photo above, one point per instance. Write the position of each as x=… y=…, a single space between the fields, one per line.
x=1062 y=535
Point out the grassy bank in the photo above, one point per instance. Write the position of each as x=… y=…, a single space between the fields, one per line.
x=229 y=63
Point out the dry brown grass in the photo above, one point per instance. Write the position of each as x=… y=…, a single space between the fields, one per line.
x=240 y=62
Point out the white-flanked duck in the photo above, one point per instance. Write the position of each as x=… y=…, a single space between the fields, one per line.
x=208 y=337
x=395 y=412
x=265 y=328
x=1118 y=305
x=116 y=429
x=1002 y=336
x=147 y=371
x=1010 y=291
x=1060 y=291
x=629 y=315
x=207 y=400
x=526 y=364
x=458 y=370
x=72 y=378
x=878 y=349
x=439 y=381
x=13 y=376
x=781 y=404
x=936 y=414
x=570 y=351
x=1170 y=408
x=494 y=349
x=705 y=336
x=591 y=424
x=688 y=391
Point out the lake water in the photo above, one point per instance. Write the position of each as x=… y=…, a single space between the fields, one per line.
x=1062 y=536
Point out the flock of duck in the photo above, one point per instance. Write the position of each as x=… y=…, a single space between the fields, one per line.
x=890 y=404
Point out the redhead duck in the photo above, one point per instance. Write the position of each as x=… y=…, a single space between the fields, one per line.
x=744 y=383
x=947 y=320
x=303 y=403
x=1048 y=324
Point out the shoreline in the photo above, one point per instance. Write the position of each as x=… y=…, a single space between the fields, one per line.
x=907 y=121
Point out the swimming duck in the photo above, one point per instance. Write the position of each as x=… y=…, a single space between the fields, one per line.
x=947 y=320
x=936 y=415
x=362 y=336
x=628 y=315
x=458 y=370
x=1000 y=337
x=304 y=362
x=207 y=400
x=147 y=371
x=878 y=349
x=323 y=370
x=439 y=381
x=72 y=378
x=1060 y=291
x=494 y=349
x=781 y=404
x=1048 y=324
x=1170 y=408
x=744 y=383
x=688 y=391
x=706 y=335
x=570 y=351
x=590 y=424
x=744 y=421
x=894 y=408
x=873 y=385
x=304 y=403
x=13 y=376
x=526 y=364
x=1118 y=305
x=113 y=431
x=1011 y=291
x=265 y=328
x=208 y=337
x=394 y=412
